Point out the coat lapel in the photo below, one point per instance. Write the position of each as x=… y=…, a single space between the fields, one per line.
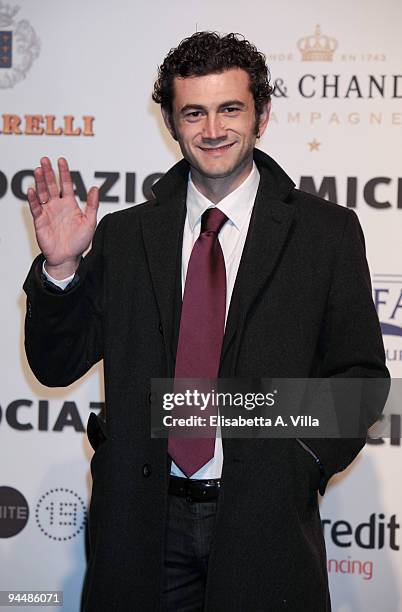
x=162 y=227
x=269 y=228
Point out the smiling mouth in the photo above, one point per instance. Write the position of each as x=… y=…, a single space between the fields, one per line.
x=217 y=149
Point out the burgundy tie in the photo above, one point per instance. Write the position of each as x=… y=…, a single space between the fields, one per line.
x=202 y=327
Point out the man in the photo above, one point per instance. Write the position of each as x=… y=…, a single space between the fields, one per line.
x=285 y=276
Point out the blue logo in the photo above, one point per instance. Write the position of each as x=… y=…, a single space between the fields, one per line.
x=6 y=49
x=387 y=295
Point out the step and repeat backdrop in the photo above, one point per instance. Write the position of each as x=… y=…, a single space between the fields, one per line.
x=76 y=80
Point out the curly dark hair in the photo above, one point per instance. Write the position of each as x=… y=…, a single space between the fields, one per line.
x=207 y=53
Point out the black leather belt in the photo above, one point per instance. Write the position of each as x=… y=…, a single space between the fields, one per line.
x=194 y=490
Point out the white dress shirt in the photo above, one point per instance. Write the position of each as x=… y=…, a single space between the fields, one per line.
x=237 y=206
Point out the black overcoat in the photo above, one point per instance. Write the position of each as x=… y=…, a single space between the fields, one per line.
x=301 y=307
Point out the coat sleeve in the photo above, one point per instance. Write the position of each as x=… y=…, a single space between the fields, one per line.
x=64 y=330
x=351 y=346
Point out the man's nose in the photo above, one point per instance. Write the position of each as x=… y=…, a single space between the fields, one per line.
x=214 y=128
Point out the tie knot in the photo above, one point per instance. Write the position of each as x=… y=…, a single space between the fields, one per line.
x=213 y=220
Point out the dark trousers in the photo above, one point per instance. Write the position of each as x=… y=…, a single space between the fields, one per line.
x=189 y=532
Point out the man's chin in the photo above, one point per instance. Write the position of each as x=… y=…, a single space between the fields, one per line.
x=214 y=173
x=217 y=175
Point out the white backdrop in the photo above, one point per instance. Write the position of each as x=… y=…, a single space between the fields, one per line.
x=333 y=129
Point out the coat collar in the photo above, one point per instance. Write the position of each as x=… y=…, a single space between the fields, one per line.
x=163 y=224
x=280 y=184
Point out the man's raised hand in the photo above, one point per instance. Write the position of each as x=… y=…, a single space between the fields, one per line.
x=63 y=230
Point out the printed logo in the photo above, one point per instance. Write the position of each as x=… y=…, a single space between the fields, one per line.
x=19 y=46
x=321 y=78
x=28 y=415
x=387 y=294
x=376 y=533
x=60 y=514
x=14 y=512
x=318 y=47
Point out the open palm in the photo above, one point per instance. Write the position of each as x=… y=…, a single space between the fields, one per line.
x=63 y=230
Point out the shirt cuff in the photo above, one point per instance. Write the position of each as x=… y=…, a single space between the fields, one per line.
x=62 y=284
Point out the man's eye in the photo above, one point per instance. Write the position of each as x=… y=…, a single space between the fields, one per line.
x=194 y=114
x=230 y=109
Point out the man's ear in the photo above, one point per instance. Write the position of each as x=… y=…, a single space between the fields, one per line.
x=168 y=119
x=264 y=118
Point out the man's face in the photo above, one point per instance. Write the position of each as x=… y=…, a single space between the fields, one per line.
x=214 y=122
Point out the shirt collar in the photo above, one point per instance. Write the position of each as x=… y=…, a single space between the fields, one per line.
x=236 y=206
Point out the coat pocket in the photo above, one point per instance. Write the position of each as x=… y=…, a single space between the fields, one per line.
x=309 y=462
x=307 y=478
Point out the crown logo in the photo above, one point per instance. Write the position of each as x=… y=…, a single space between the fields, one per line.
x=317 y=47
x=7 y=14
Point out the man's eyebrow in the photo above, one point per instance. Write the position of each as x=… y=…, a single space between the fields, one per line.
x=192 y=107
x=188 y=107
x=233 y=103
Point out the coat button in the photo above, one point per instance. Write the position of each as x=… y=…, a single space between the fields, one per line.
x=160 y=328
x=146 y=470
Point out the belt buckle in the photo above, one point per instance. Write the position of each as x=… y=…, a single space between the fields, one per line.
x=203 y=490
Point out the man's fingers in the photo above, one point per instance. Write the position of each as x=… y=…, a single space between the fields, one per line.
x=33 y=202
x=92 y=204
x=66 y=183
x=49 y=177
x=40 y=185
